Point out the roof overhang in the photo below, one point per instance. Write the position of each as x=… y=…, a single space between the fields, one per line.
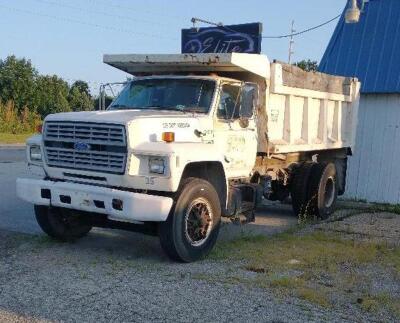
x=137 y=64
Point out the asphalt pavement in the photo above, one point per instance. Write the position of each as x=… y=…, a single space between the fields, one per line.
x=15 y=214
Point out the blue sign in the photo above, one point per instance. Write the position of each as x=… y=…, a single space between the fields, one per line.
x=245 y=38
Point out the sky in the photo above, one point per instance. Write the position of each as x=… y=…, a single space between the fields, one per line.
x=69 y=37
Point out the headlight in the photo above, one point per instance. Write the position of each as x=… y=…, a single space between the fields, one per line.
x=156 y=165
x=35 y=153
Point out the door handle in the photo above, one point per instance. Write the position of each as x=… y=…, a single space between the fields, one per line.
x=227 y=159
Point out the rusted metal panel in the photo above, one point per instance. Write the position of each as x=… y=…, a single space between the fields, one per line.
x=294 y=76
x=190 y=63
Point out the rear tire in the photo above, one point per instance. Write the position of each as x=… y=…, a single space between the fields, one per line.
x=192 y=227
x=299 y=188
x=61 y=224
x=322 y=190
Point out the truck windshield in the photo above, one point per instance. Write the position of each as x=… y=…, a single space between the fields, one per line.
x=186 y=95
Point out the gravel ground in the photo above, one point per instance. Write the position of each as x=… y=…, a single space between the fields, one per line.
x=104 y=277
x=381 y=227
x=122 y=276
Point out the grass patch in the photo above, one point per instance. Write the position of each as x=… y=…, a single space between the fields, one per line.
x=395 y=208
x=287 y=282
x=370 y=207
x=381 y=301
x=391 y=258
x=317 y=252
x=10 y=138
x=309 y=266
x=314 y=296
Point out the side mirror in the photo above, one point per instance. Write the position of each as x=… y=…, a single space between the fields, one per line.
x=225 y=111
x=244 y=122
x=248 y=100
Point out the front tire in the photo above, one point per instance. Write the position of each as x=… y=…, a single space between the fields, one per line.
x=192 y=227
x=61 y=224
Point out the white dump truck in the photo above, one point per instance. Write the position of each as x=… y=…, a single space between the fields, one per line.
x=190 y=139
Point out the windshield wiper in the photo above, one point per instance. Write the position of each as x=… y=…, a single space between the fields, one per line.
x=160 y=107
x=195 y=110
x=119 y=106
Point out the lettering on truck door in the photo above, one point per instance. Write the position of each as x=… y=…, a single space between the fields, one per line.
x=235 y=130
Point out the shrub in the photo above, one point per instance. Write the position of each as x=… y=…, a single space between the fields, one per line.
x=12 y=121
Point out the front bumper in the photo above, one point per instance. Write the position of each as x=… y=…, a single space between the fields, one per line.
x=90 y=198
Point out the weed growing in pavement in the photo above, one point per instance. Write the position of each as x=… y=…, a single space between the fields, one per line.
x=309 y=266
x=365 y=207
x=315 y=296
x=394 y=209
x=375 y=303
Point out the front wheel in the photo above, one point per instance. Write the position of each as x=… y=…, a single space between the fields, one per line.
x=61 y=224
x=192 y=227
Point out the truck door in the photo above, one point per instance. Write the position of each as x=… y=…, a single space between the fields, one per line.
x=235 y=128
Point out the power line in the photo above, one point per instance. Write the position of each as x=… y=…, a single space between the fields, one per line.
x=220 y=25
x=113 y=5
x=71 y=20
x=152 y=22
x=303 y=31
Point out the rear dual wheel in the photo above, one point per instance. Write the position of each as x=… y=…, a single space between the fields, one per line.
x=299 y=188
x=314 y=190
x=322 y=190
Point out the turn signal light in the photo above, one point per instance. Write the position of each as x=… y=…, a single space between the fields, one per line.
x=168 y=136
x=39 y=128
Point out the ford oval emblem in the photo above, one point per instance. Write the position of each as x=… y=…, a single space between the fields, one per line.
x=82 y=146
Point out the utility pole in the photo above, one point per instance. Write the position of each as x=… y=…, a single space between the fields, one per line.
x=291 y=43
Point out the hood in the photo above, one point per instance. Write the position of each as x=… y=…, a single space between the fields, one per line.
x=147 y=126
x=118 y=116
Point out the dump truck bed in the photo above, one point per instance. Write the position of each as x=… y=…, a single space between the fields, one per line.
x=301 y=111
x=310 y=111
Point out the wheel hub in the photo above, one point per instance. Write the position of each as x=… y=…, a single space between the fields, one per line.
x=198 y=222
x=329 y=192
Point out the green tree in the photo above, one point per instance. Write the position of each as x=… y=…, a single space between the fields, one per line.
x=308 y=65
x=24 y=87
x=51 y=95
x=82 y=86
x=17 y=81
x=79 y=98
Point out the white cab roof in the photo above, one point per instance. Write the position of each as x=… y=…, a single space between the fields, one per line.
x=185 y=63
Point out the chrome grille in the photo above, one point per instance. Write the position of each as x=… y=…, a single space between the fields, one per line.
x=106 y=146
x=92 y=133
